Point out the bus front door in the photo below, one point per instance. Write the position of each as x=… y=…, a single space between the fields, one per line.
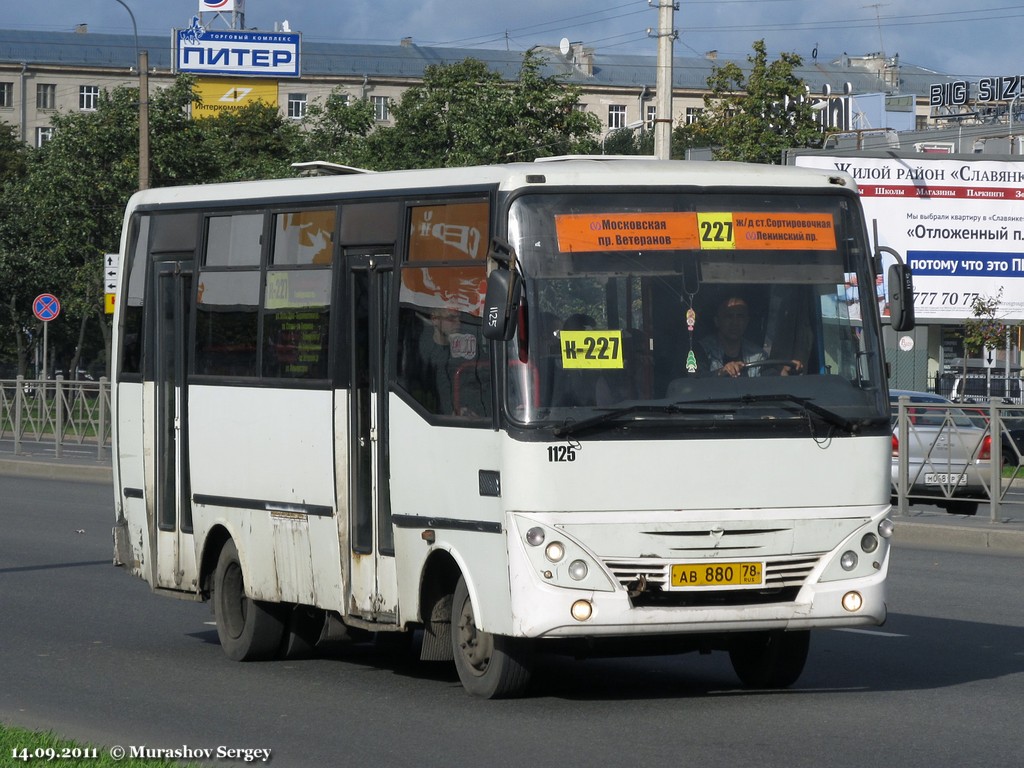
x=173 y=553
x=373 y=589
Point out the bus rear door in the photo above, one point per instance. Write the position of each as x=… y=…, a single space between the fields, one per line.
x=173 y=554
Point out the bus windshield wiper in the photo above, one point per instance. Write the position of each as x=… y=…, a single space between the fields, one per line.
x=831 y=417
x=572 y=427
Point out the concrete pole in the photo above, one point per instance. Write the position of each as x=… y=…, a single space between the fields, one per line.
x=663 y=122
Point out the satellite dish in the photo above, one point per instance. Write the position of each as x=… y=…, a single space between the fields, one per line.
x=563 y=46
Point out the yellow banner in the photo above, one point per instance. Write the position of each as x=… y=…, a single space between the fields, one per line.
x=222 y=94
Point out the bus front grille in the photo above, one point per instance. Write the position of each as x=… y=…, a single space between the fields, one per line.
x=647 y=581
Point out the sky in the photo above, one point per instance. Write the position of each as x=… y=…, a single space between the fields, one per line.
x=940 y=35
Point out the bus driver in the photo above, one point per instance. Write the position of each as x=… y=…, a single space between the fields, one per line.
x=729 y=351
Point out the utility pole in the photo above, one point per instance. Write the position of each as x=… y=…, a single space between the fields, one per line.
x=666 y=35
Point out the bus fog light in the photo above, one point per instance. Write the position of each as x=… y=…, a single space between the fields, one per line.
x=869 y=542
x=885 y=528
x=582 y=610
x=853 y=602
x=554 y=551
x=578 y=570
x=535 y=537
x=848 y=560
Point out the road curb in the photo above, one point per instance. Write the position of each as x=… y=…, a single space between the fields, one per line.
x=53 y=471
x=985 y=536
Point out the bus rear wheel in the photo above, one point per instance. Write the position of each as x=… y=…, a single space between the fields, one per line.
x=769 y=659
x=249 y=630
x=489 y=666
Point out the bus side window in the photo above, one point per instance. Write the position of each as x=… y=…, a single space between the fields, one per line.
x=443 y=363
x=134 y=272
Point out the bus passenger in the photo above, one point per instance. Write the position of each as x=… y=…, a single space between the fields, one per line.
x=455 y=369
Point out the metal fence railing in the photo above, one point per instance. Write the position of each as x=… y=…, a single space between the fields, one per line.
x=963 y=458
x=56 y=412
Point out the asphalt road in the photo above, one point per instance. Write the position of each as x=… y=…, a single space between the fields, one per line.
x=90 y=653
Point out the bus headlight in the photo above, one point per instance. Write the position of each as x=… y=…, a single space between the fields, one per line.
x=848 y=560
x=554 y=551
x=885 y=528
x=582 y=610
x=578 y=570
x=853 y=601
x=535 y=536
x=869 y=542
x=558 y=559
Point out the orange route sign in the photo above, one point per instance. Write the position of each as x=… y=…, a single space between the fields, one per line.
x=760 y=231
x=626 y=231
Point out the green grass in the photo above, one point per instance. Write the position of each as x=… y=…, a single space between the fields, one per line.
x=21 y=747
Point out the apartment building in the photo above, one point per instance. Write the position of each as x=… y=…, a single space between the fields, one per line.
x=43 y=73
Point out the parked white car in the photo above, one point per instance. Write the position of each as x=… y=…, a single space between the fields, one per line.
x=948 y=454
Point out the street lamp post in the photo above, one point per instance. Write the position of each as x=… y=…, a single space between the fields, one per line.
x=142 y=62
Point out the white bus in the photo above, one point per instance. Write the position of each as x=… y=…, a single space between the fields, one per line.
x=478 y=405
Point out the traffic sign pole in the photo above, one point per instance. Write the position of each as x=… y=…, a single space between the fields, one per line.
x=45 y=307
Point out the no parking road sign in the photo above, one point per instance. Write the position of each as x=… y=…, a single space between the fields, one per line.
x=46 y=307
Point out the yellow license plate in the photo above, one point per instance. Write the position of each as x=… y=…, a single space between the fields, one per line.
x=746 y=574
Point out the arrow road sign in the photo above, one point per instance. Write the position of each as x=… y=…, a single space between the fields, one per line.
x=46 y=307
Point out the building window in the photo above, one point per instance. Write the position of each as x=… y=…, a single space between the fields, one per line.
x=652 y=115
x=381 y=108
x=296 y=106
x=46 y=96
x=88 y=98
x=693 y=114
x=43 y=135
x=6 y=95
x=616 y=115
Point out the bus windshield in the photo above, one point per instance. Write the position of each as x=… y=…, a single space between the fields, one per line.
x=735 y=309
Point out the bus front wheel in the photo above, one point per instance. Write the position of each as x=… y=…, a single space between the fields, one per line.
x=249 y=630
x=769 y=659
x=489 y=666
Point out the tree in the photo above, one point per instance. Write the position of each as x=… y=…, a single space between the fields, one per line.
x=983 y=329
x=252 y=142
x=337 y=129
x=754 y=117
x=465 y=114
x=624 y=141
x=12 y=154
x=541 y=118
x=64 y=211
x=60 y=218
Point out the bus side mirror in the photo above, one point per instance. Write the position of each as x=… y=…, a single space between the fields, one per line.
x=504 y=292
x=900 y=287
x=901 y=297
